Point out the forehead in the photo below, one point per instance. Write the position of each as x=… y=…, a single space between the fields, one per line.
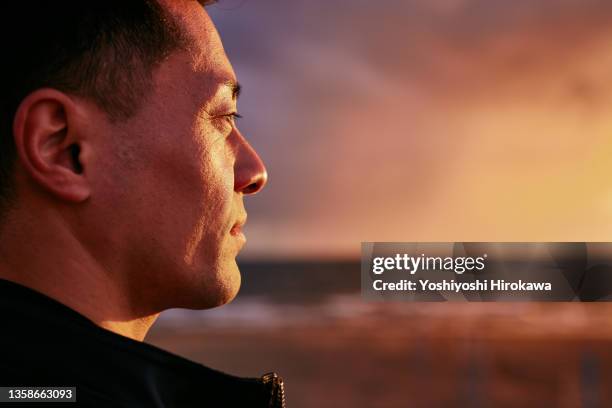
x=203 y=41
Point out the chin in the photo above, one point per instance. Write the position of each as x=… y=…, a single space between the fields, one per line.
x=221 y=289
x=228 y=292
x=234 y=282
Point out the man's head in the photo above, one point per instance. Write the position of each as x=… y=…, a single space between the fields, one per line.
x=118 y=127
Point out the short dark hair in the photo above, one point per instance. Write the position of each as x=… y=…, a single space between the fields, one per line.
x=103 y=50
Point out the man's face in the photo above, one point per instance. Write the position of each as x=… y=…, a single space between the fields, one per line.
x=174 y=177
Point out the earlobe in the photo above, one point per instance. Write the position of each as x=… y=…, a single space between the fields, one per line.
x=49 y=144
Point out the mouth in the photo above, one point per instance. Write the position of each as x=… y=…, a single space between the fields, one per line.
x=236 y=230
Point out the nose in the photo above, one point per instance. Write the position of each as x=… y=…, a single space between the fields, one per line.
x=250 y=174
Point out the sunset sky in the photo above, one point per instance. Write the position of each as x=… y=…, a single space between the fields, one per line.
x=424 y=120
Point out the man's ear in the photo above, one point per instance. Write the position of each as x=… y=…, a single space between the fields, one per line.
x=50 y=145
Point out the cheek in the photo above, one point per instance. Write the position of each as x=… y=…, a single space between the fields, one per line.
x=215 y=204
x=218 y=182
x=220 y=175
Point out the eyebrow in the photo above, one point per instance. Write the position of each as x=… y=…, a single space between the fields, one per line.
x=235 y=87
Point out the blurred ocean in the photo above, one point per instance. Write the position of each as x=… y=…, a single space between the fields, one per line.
x=307 y=321
x=275 y=294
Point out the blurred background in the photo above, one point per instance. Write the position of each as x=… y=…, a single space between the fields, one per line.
x=414 y=120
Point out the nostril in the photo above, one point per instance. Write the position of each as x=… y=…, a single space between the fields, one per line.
x=252 y=188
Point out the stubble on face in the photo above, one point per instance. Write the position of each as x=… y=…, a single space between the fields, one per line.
x=181 y=189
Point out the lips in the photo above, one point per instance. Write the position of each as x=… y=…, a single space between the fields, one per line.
x=237 y=227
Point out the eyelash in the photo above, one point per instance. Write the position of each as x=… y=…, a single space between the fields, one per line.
x=232 y=117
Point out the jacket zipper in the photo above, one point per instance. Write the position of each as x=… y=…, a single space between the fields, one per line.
x=277 y=390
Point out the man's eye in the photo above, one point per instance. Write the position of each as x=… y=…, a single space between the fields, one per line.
x=232 y=117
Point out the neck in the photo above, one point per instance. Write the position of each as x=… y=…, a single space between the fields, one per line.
x=43 y=254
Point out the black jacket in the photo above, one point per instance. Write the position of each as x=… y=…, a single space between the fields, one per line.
x=44 y=343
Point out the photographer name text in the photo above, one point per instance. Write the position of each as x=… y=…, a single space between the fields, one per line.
x=453 y=286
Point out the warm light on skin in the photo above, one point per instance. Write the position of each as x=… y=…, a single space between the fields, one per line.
x=152 y=222
x=215 y=111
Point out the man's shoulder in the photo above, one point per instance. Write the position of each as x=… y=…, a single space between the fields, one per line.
x=47 y=344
